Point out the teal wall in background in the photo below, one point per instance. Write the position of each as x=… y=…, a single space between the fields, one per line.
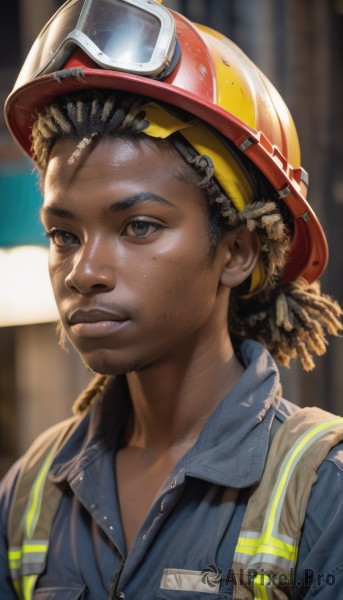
x=20 y=201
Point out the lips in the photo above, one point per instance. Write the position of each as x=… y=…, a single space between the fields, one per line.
x=96 y=323
x=94 y=316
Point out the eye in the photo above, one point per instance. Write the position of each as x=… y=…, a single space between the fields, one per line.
x=62 y=238
x=141 y=228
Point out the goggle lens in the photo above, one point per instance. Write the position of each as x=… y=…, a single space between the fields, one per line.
x=116 y=34
x=122 y=31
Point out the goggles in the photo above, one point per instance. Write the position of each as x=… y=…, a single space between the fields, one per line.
x=135 y=36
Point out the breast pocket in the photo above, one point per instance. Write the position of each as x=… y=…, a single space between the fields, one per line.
x=69 y=593
x=182 y=584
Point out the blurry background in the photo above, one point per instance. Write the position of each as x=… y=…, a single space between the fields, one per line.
x=299 y=45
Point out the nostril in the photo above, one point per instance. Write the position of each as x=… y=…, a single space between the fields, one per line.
x=99 y=286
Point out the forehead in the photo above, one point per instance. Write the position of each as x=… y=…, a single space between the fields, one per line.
x=160 y=157
x=115 y=168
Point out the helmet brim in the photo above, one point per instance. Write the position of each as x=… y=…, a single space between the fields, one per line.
x=309 y=252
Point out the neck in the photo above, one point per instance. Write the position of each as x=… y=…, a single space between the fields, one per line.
x=172 y=400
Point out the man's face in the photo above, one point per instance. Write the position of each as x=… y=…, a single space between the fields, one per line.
x=131 y=267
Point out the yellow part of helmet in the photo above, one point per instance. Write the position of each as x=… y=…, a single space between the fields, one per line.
x=245 y=92
x=227 y=170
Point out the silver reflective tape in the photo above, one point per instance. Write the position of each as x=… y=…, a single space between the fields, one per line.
x=190 y=581
x=33 y=568
x=15 y=573
x=254 y=562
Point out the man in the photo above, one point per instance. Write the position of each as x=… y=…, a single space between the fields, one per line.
x=183 y=255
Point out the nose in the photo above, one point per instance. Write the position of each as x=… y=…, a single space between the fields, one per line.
x=92 y=270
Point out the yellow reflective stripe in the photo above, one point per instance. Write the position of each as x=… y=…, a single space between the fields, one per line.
x=260 y=592
x=15 y=564
x=25 y=586
x=35 y=500
x=272 y=546
x=285 y=469
x=268 y=542
x=28 y=586
x=31 y=548
x=246 y=541
x=14 y=554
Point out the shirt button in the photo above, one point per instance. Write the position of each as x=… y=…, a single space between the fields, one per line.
x=121 y=595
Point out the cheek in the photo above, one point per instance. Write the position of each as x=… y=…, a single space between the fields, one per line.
x=180 y=289
x=57 y=274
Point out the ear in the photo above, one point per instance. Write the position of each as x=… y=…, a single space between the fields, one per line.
x=241 y=253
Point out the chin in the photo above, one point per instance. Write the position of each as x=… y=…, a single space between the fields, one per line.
x=104 y=366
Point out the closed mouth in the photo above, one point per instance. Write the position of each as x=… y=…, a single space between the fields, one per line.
x=94 y=316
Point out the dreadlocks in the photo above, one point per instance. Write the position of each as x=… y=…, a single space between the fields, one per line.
x=290 y=319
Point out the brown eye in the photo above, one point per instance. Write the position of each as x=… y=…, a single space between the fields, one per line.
x=141 y=228
x=62 y=239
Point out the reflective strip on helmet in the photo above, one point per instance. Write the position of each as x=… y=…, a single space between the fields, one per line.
x=270 y=546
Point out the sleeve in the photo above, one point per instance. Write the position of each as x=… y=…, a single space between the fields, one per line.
x=7 y=486
x=319 y=570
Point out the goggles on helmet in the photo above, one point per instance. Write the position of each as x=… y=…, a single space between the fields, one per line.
x=135 y=36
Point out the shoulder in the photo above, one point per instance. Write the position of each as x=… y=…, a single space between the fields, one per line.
x=36 y=452
x=321 y=546
x=7 y=487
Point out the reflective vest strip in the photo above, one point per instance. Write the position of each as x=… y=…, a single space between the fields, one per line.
x=274 y=547
x=14 y=563
x=31 y=556
x=14 y=553
x=29 y=583
x=251 y=544
x=29 y=559
x=35 y=500
x=29 y=548
x=260 y=590
x=271 y=521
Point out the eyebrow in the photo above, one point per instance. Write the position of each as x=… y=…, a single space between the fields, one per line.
x=122 y=205
x=141 y=198
x=55 y=211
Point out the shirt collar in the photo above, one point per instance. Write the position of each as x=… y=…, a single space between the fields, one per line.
x=232 y=447
x=96 y=432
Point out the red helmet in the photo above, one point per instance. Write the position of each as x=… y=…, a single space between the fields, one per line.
x=205 y=74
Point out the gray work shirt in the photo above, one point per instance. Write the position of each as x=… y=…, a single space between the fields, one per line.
x=195 y=519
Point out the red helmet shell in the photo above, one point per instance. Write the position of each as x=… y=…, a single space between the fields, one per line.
x=218 y=83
